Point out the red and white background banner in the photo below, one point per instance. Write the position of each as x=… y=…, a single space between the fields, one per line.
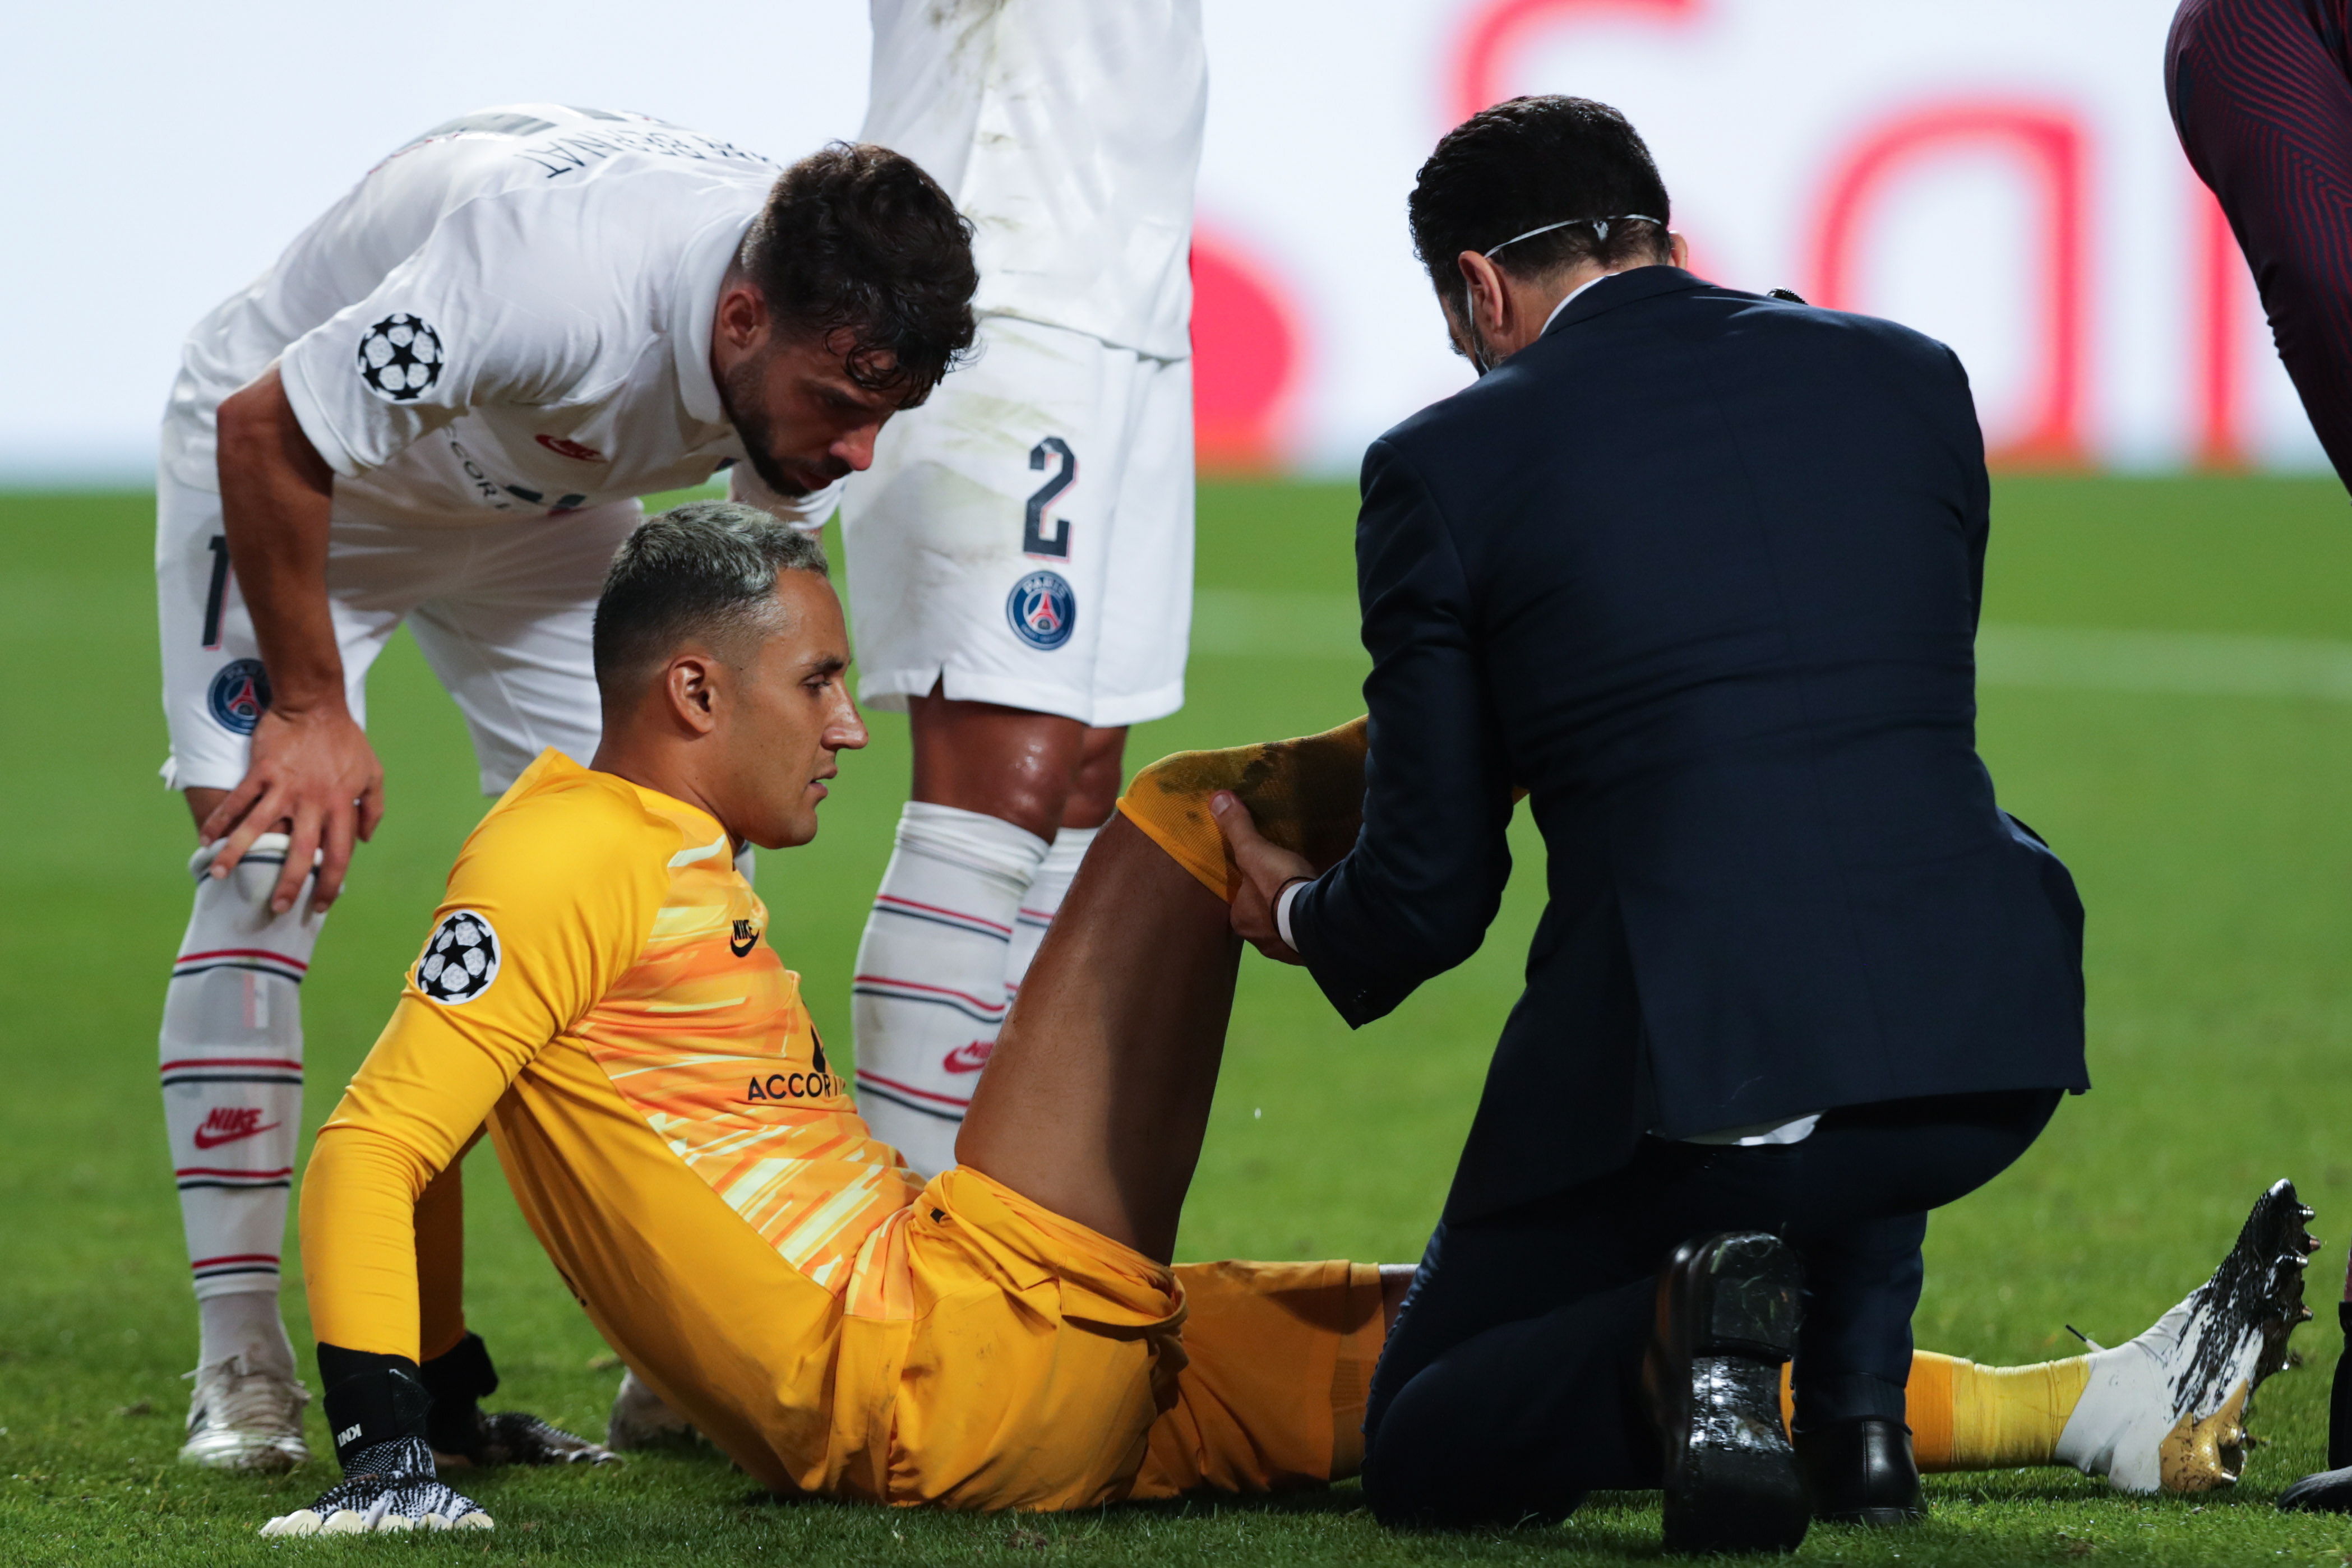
x=2001 y=174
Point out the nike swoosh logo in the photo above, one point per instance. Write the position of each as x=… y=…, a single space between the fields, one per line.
x=215 y=1140
x=745 y=946
x=968 y=1058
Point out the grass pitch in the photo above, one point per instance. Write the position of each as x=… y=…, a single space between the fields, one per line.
x=2201 y=813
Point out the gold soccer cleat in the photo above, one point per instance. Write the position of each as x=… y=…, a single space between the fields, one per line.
x=2167 y=1411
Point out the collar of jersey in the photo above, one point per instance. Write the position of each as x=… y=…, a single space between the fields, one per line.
x=701 y=273
x=552 y=765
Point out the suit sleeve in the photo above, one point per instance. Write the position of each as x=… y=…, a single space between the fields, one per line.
x=565 y=922
x=1416 y=893
x=2261 y=98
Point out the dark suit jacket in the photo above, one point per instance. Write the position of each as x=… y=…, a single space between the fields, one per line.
x=1701 y=571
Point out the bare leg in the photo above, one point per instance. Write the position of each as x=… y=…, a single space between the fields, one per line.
x=1002 y=762
x=202 y=802
x=1094 y=790
x=1097 y=1097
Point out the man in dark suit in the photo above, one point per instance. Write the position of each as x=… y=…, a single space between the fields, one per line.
x=1700 y=570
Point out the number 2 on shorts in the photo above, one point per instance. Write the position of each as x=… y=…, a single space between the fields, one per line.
x=1033 y=539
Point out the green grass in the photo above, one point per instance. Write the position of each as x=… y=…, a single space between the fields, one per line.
x=2209 y=834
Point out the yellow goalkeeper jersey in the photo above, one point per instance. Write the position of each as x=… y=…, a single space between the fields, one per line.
x=596 y=986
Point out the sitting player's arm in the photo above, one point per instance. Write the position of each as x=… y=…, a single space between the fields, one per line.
x=1415 y=895
x=554 y=923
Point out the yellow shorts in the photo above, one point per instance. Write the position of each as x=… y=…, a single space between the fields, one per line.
x=996 y=1355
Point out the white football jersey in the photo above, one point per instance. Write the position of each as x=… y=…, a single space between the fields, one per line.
x=511 y=315
x=1069 y=132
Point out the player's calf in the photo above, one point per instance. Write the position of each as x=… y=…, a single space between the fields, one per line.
x=231 y=1049
x=930 y=992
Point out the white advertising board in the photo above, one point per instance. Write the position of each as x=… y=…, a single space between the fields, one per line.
x=1998 y=173
x=2001 y=174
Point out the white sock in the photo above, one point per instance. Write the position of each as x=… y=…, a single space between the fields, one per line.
x=245 y=1323
x=232 y=1062
x=930 y=990
x=1043 y=901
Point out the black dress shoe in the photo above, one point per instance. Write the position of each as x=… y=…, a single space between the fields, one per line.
x=1862 y=1472
x=1727 y=1313
x=2329 y=1491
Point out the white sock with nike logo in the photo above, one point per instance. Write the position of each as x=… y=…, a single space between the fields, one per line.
x=930 y=990
x=1043 y=901
x=232 y=1060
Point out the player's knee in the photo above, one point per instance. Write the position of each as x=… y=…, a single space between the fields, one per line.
x=1306 y=794
x=237 y=979
x=1432 y=1463
x=250 y=882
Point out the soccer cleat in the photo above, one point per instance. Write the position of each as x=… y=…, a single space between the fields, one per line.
x=1729 y=1307
x=461 y=1434
x=2167 y=1411
x=242 y=1417
x=641 y=1418
x=391 y=1488
x=515 y=1437
x=2329 y=1491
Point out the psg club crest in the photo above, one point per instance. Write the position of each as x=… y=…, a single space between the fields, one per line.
x=1043 y=609
x=399 y=358
x=460 y=961
x=239 y=696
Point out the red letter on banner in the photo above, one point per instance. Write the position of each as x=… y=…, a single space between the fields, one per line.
x=2049 y=144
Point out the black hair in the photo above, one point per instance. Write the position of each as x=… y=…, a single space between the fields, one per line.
x=707 y=570
x=856 y=239
x=1528 y=163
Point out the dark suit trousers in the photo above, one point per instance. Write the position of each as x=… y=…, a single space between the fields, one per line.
x=1511 y=1386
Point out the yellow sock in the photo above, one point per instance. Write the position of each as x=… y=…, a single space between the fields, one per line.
x=1306 y=795
x=1964 y=1416
x=1991 y=1417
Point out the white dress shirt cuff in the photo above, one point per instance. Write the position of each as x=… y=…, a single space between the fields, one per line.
x=1282 y=913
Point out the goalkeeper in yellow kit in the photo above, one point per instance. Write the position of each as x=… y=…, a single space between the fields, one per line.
x=596 y=991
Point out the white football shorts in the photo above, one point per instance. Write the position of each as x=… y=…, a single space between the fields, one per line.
x=502 y=611
x=1025 y=537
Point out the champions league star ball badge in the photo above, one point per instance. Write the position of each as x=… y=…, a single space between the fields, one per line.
x=460 y=961
x=400 y=357
x=1043 y=609
x=239 y=696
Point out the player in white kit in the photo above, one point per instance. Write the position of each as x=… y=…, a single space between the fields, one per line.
x=438 y=407
x=1019 y=557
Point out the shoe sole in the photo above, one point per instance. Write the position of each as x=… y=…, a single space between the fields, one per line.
x=1734 y=1485
x=262 y=1457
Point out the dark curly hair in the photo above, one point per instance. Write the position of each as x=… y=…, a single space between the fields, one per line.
x=1528 y=163
x=857 y=239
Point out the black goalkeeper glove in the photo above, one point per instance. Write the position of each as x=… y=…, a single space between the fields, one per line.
x=376 y=1406
x=397 y=1490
